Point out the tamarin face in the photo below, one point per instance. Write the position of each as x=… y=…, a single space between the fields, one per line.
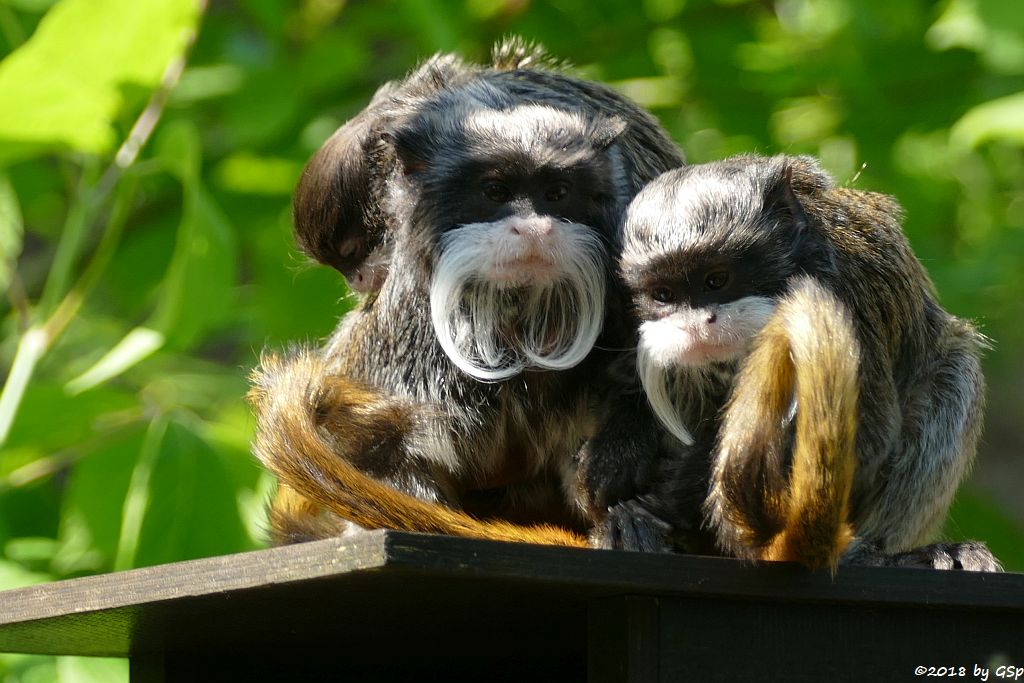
x=707 y=251
x=517 y=205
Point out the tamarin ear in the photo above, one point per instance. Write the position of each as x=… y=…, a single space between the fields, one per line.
x=782 y=201
x=332 y=201
x=411 y=144
x=783 y=204
x=606 y=130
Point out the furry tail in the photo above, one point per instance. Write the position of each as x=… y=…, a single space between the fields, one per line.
x=299 y=408
x=763 y=504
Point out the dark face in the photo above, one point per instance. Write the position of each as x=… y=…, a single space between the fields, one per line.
x=491 y=186
x=703 y=239
x=708 y=251
x=481 y=162
x=515 y=212
x=492 y=189
x=705 y=279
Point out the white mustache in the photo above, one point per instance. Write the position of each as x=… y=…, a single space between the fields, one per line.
x=655 y=378
x=664 y=343
x=493 y=330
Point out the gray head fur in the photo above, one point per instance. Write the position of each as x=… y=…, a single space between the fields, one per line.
x=736 y=222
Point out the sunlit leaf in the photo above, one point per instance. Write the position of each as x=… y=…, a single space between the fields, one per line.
x=207 y=82
x=136 y=500
x=192 y=502
x=91 y=670
x=198 y=289
x=30 y=5
x=805 y=119
x=64 y=87
x=993 y=28
x=137 y=345
x=999 y=119
x=92 y=506
x=652 y=92
x=13 y=575
x=249 y=174
x=30 y=549
x=11 y=230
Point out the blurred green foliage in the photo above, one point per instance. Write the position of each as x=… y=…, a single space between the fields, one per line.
x=142 y=288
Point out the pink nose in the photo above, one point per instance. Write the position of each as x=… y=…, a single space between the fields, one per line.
x=531 y=227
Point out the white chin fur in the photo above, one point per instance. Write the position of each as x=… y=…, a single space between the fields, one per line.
x=655 y=378
x=685 y=340
x=494 y=320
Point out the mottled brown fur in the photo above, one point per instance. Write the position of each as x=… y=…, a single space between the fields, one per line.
x=296 y=403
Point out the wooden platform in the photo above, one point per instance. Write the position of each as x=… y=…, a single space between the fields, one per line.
x=396 y=606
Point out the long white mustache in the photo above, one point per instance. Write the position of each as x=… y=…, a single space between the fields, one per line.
x=656 y=379
x=668 y=379
x=493 y=330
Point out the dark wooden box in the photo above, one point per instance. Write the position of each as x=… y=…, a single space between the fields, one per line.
x=394 y=606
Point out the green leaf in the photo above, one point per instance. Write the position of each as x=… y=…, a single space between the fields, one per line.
x=136 y=499
x=30 y=549
x=65 y=86
x=30 y=5
x=91 y=670
x=191 y=502
x=92 y=506
x=250 y=174
x=11 y=231
x=179 y=146
x=975 y=516
x=289 y=303
x=999 y=119
x=137 y=345
x=13 y=575
x=32 y=510
x=199 y=287
x=37 y=427
x=28 y=668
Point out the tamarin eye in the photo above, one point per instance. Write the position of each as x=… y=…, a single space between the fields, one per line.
x=497 y=192
x=557 y=192
x=716 y=279
x=662 y=294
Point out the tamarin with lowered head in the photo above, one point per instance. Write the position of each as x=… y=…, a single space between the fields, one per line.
x=340 y=218
x=469 y=376
x=792 y=344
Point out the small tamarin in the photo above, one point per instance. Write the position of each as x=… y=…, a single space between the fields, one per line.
x=469 y=377
x=792 y=344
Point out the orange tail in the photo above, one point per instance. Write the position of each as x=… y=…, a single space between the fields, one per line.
x=807 y=353
x=293 y=400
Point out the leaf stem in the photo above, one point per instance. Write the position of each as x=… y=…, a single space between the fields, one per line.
x=31 y=348
x=137 y=500
x=39 y=338
x=19 y=300
x=72 y=302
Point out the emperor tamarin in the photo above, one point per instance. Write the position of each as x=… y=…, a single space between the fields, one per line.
x=849 y=343
x=469 y=378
